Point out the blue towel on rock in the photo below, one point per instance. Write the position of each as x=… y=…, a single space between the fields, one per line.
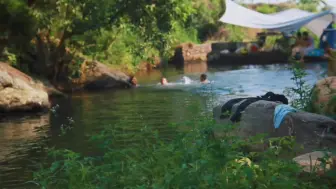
x=280 y=113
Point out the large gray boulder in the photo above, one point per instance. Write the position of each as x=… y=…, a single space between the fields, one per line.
x=97 y=76
x=19 y=92
x=313 y=131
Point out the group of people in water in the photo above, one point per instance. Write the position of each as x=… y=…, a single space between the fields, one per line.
x=203 y=79
x=164 y=81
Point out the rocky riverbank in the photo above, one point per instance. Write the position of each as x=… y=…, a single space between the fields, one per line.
x=94 y=75
x=21 y=92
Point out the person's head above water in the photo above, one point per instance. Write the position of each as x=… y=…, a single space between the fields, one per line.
x=164 y=81
x=204 y=78
x=133 y=81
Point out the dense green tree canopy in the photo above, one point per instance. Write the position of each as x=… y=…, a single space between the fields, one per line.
x=121 y=32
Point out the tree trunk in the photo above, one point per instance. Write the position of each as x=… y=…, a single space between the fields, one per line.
x=50 y=61
x=43 y=56
x=59 y=57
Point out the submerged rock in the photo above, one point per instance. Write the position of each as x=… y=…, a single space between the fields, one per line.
x=19 y=92
x=96 y=76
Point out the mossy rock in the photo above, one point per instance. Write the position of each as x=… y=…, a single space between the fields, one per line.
x=323 y=98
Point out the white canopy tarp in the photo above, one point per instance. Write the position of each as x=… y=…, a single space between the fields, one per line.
x=331 y=3
x=286 y=21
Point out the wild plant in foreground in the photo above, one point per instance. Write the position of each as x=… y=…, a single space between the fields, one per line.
x=192 y=159
x=300 y=94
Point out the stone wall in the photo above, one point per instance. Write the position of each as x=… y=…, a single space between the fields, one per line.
x=190 y=52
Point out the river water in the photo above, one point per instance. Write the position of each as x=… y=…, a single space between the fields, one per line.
x=149 y=104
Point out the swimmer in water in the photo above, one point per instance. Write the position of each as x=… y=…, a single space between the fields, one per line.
x=133 y=81
x=204 y=79
x=164 y=81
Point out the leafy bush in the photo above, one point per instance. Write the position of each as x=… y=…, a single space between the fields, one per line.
x=192 y=159
x=9 y=57
x=236 y=33
x=301 y=92
x=121 y=33
x=310 y=5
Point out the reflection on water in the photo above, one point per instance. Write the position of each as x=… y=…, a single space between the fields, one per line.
x=20 y=146
x=18 y=132
x=150 y=105
x=196 y=67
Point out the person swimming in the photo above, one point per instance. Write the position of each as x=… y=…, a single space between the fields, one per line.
x=164 y=81
x=204 y=78
x=133 y=81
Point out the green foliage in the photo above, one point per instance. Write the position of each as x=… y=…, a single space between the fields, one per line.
x=9 y=57
x=301 y=92
x=309 y=5
x=153 y=30
x=192 y=159
x=276 y=42
x=75 y=67
x=205 y=19
x=114 y=46
x=119 y=33
x=17 y=25
x=134 y=31
x=267 y=9
x=237 y=33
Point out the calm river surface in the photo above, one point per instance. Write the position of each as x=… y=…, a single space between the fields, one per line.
x=150 y=104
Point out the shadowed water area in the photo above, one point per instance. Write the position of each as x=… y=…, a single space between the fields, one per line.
x=128 y=111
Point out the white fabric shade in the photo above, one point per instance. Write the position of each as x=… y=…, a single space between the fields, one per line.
x=331 y=3
x=286 y=21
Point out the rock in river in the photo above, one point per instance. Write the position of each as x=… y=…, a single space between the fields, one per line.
x=19 y=92
x=95 y=75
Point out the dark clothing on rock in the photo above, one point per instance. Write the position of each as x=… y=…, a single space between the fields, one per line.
x=275 y=97
x=237 y=114
x=227 y=107
x=235 y=117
